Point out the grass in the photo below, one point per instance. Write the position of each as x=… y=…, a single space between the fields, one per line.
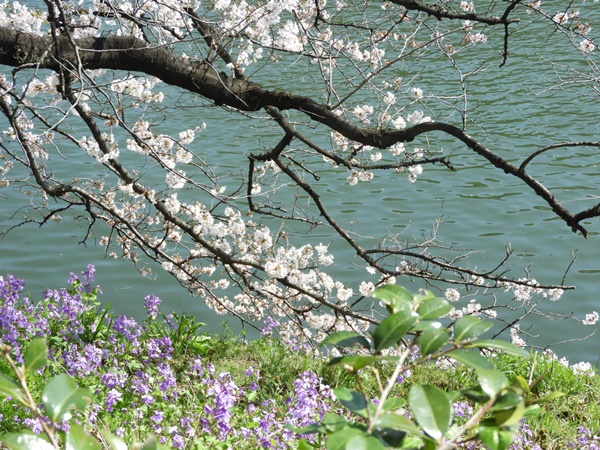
x=192 y=390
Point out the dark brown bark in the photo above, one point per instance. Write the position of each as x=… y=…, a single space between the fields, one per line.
x=131 y=54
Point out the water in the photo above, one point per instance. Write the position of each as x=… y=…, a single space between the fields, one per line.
x=481 y=207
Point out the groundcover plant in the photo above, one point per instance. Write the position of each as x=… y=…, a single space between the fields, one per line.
x=88 y=379
x=137 y=385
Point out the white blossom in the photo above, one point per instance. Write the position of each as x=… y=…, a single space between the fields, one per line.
x=587 y=46
x=583 y=369
x=452 y=295
x=591 y=319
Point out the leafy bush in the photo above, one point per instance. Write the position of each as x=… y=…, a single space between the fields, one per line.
x=426 y=419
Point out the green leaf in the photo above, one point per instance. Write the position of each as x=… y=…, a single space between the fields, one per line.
x=471 y=359
x=392 y=329
x=431 y=408
x=312 y=428
x=476 y=394
x=470 y=327
x=352 y=363
x=432 y=340
x=425 y=325
x=397 y=422
x=352 y=400
x=423 y=296
x=433 y=308
x=346 y=338
x=9 y=388
x=35 y=356
x=303 y=444
x=393 y=403
x=333 y=422
x=396 y=297
x=550 y=397
x=353 y=439
x=492 y=381
x=25 y=441
x=78 y=439
x=523 y=384
x=150 y=444
x=501 y=346
x=364 y=442
x=511 y=416
x=495 y=438
x=506 y=401
x=339 y=439
x=533 y=410
x=114 y=442
x=61 y=395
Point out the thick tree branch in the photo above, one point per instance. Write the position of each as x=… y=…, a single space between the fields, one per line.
x=440 y=13
x=127 y=53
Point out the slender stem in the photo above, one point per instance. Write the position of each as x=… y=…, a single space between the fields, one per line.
x=49 y=431
x=389 y=386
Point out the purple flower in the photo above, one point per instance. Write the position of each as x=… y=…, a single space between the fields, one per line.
x=310 y=404
x=225 y=393
x=33 y=424
x=157 y=417
x=129 y=328
x=112 y=398
x=177 y=441
x=159 y=348
x=151 y=303
x=270 y=323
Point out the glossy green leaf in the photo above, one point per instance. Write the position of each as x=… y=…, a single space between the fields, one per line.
x=9 y=388
x=35 y=356
x=469 y=327
x=492 y=381
x=433 y=308
x=495 y=438
x=392 y=329
x=354 y=401
x=431 y=409
x=423 y=296
x=508 y=417
x=61 y=395
x=312 y=428
x=114 y=442
x=533 y=410
x=346 y=338
x=507 y=400
x=471 y=359
x=396 y=297
x=78 y=439
x=550 y=397
x=393 y=403
x=303 y=444
x=523 y=384
x=364 y=442
x=424 y=325
x=339 y=439
x=432 y=340
x=501 y=346
x=151 y=444
x=477 y=395
x=352 y=363
x=333 y=422
x=25 y=441
x=397 y=422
